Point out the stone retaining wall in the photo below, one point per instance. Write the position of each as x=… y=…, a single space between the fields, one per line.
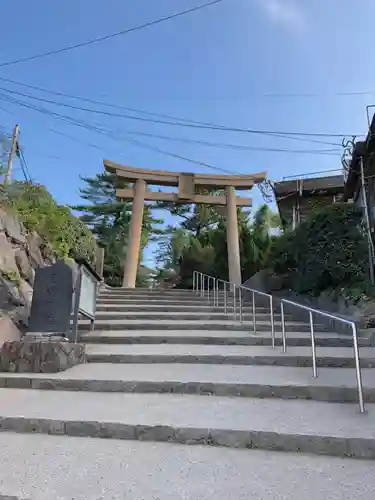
x=20 y=254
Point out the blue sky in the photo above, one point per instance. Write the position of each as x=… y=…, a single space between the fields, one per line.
x=217 y=65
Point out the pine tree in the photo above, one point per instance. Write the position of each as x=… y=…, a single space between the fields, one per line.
x=109 y=219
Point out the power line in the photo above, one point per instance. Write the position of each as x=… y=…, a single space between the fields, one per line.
x=239 y=147
x=24 y=166
x=96 y=129
x=90 y=127
x=59 y=116
x=148 y=113
x=316 y=94
x=112 y=35
x=6 y=111
x=100 y=103
x=101 y=131
x=187 y=124
x=95 y=146
x=180 y=157
x=290 y=177
x=107 y=133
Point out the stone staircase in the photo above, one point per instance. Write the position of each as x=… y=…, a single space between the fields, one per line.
x=166 y=370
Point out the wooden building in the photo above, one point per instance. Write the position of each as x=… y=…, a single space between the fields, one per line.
x=297 y=198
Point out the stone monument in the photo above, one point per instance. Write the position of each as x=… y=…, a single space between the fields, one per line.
x=52 y=303
x=45 y=348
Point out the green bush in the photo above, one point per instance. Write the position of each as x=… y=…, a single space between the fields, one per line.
x=326 y=252
x=195 y=257
x=64 y=233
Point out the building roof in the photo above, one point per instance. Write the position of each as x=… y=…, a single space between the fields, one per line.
x=309 y=186
x=362 y=149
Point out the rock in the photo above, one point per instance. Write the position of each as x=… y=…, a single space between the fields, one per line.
x=40 y=356
x=8 y=266
x=10 y=296
x=49 y=257
x=34 y=244
x=14 y=228
x=26 y=292
x=8 y=330
x=24 y=266
x=15 y=302
x=2 y=219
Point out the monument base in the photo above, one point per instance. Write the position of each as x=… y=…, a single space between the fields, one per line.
x=40 y=355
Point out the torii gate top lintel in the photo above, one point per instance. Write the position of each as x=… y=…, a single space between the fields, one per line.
x=187 y=193
x=169 y=178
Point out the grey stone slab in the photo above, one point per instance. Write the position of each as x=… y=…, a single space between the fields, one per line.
x=177 y=324
x=123 y=309
x=180 y=316
x=336 y=429
x=157 y=301
x=41 y=355
x=220 y=380
x=60 y=468
x=218 y=354
x=219 y=337
x=52 y=299
x=248 y=333
x=7 y=497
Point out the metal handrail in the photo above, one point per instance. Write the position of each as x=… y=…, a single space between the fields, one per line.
x=270 y=298
x=199 y=285
x=336 y=318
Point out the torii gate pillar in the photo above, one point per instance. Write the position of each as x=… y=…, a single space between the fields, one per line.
x=234 y=263
x=192 y=188
x=134 y=239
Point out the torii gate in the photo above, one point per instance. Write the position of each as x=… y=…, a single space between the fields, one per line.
x=186 y=183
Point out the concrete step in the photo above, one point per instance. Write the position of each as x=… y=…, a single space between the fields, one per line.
x=196 y=308
x=332 y=385
x=213 y=337
x=232 y=355
x=271 y=424
x=166 y=313
x=88 y=469
x=126 y=292
x=165 y=302
x=177 y=324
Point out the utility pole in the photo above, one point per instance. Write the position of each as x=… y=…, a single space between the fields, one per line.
x=367 y=221
x=13 y=150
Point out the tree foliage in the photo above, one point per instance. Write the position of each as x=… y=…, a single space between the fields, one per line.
x=328 y=251
x=109 y=220
x=64 y=233
x=200 y=242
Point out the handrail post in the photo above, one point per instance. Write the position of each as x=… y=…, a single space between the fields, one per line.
x=272 y=323
x=200 y=284
x=358 y=369
x=315 y=373
x=283 y=326
x=240 y=303
x=77 y=297
x=254 y=313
